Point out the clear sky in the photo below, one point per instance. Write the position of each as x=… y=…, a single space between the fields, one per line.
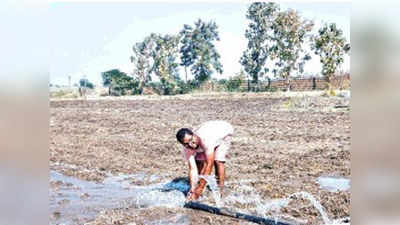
x=88 y=38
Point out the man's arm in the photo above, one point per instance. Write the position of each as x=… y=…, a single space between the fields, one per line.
x=206 y=170
x=193 y=173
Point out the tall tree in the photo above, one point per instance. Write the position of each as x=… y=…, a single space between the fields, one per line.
x=260 y=16
x=165 y=65
x=331 y=46
x=198 y=50
x=289 y=34
x=187 y=48
x=142 y=60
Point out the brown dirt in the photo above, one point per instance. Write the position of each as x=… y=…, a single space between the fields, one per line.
x=284 y=143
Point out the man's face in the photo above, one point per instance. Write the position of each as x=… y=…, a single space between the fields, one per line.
x=191 y=141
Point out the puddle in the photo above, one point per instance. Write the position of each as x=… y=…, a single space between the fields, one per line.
x=75 y=201
x=334 y=184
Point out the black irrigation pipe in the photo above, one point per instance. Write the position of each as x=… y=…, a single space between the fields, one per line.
x=227 y=212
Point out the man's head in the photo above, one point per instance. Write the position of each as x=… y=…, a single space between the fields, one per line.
x=187 y=138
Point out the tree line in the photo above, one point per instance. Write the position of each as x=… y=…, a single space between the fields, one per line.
x=274 y=37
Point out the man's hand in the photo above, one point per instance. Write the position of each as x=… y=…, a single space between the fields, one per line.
x=189 y=196
x=198 y=191
x=194 y=195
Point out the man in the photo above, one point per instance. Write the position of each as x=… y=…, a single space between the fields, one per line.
x=203 y=148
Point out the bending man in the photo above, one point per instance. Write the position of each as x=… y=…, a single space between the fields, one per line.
x=203 y=148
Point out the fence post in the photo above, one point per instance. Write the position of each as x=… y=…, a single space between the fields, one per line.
x=314 y=83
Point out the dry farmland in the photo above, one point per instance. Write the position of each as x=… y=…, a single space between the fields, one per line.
x=281 y=145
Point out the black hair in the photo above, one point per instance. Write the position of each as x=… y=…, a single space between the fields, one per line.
x=181 y=134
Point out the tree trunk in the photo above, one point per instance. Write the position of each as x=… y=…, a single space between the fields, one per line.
x=314 y=83
x=330 y=78
x=328 y=81
x=185 y=75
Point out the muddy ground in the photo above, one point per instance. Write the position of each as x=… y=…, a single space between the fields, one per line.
x=281 y=144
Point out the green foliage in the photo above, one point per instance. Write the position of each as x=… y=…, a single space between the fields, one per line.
x=331 y=46
x=164 y=56
x=256 y=54
x=157 y=55
x=188 y=53
x=222 y=82
x=186 y=87
x=119 y=83
x=198 y=51
x=142 y=53
x=181 y=88
x=271 y=89
x=85 y=83
x=275 y=35
x=289 y=33
x=233 y=85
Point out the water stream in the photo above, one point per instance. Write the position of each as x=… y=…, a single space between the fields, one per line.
x=212 y=183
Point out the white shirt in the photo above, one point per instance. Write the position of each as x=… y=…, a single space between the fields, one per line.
x=212 y=134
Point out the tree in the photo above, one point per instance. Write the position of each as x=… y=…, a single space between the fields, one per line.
x=119 y=83
x=198 y=51
x=85 y=83
x=254 y=57
x=331 y=46
x=142 y=60
x=187 y=48
x=165 y=65
x=289 y=31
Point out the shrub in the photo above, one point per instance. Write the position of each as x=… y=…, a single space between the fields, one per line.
x=184 y=88
x=233 y=84
x=63 y=94
x=271 y=89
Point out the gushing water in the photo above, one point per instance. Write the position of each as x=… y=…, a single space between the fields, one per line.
x=315 y=203
x=211 y=181
x=247 y=197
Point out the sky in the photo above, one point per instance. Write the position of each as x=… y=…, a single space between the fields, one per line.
x=91 y=37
